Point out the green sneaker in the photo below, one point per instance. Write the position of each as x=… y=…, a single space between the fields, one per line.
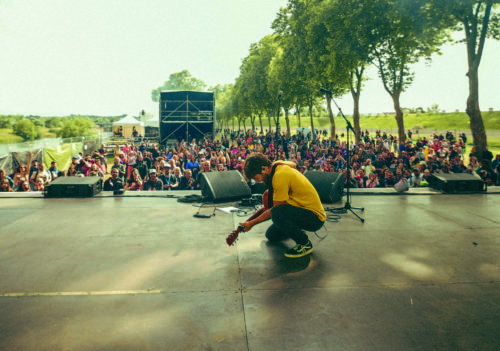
x=299 y=250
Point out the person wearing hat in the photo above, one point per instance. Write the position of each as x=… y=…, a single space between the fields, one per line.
x=153 y=183
x=165 y=176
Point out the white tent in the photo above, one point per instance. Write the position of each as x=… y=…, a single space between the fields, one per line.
x=152 y=122
x=126 y=127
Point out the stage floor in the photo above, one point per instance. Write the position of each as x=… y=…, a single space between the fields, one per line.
x=141 y=273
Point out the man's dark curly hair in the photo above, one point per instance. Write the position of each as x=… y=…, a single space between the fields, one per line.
x=254 y=164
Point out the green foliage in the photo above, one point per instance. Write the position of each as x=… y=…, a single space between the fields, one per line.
x=7 y=121
x=76 y=127
x=53 y=122
x=39 y=123
x=179 y=81
x=27 y=130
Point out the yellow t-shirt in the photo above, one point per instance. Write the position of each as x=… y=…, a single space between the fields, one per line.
x=294 y=188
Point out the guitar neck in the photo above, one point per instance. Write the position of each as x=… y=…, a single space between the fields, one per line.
x=257 y=214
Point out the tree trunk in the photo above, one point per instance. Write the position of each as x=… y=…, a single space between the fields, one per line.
x=260 y=122
x=399 y=117
x=269 y=120
x=330 y=115
x=311 y=116
x=355 y=92
x=476 y=120
x=355 y=117
x=252 y=121
x=287 y=119
x=297 y=108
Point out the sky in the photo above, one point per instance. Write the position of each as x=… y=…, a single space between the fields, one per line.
x=103 y=57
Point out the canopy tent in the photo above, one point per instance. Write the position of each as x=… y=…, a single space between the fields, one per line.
x=152 y=122
x=128 y=127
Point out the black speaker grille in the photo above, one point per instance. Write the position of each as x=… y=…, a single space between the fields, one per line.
x=329 y=185
x=223 y=186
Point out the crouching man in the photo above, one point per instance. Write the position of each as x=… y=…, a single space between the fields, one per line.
x=294 y=204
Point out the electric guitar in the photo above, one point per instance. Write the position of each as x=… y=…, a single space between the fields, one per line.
x=234 y=234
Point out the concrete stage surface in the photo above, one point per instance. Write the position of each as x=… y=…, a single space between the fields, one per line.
x=141 y=273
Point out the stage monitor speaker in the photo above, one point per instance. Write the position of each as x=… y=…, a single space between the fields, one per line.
x=457 y=183
x=223 y=186
x=74 y=187
x=329 y=185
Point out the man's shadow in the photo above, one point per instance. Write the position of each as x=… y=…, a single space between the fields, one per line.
x=285 y=265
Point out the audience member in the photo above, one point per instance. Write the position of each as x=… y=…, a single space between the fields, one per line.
x=153 y=183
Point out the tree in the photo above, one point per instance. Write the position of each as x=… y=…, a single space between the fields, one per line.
x=279 y=80
x=344 y=30
x=223 y=107
x=291 y=25
x=403 y=33
x=76 y=127
x=27 y=130
x=479 y=21
x=254 y=96
x=53 y=122
x=179 y=81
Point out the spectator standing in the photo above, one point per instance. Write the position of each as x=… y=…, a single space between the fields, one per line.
x=496 y=161
x=487 y=155
x=41 y=174
x=53 y=170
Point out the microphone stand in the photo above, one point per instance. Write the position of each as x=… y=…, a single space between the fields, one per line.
x=347 y=205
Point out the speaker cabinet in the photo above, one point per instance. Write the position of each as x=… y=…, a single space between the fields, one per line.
x=329 y=185
x=74 y=187
x=457 y=183
x=223 y=186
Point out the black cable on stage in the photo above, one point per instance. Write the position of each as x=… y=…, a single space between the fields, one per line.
x=332 y=216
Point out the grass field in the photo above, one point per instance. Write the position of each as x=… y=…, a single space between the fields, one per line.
x=8 y=137
x=440 y=121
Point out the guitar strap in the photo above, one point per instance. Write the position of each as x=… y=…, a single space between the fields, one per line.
x=270 y=200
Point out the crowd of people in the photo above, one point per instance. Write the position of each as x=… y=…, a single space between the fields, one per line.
x=376 y=160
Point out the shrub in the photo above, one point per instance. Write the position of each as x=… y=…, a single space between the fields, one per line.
x=27 y=130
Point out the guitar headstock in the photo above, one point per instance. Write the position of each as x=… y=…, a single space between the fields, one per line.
x=231 y=238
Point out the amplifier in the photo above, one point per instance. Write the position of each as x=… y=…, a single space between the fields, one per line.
x=74 y=187
x=457 y=183
x=328 y=185
x=223 y=186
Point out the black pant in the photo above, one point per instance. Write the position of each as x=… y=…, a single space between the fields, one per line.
x=290 y=222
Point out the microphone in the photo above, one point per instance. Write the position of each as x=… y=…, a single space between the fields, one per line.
x=326 y=91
